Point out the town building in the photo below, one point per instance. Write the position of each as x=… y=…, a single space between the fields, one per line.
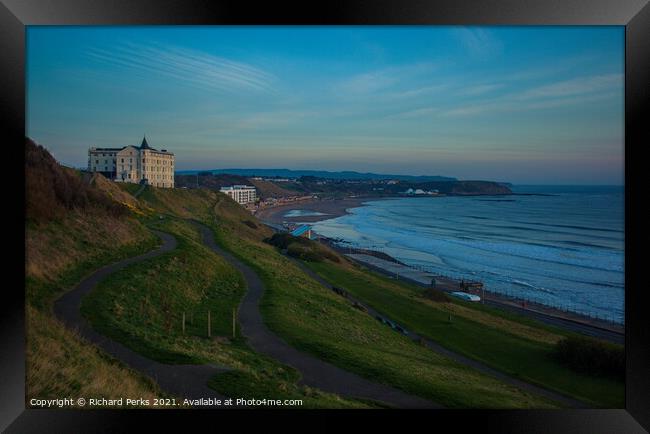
x=242 y=194
x=136 y=164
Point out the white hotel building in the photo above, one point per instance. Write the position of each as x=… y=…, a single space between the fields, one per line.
x=134 y=164
x=242 y=194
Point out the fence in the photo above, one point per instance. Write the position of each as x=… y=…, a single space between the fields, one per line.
x=514 y=296
x=198 y=323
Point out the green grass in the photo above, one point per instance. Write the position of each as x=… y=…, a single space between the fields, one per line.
x=277 y=384
x=528 y=359
x=142 y=305
x=128 y=187
x=58 y=361
x=311 y=318
x=40 y=293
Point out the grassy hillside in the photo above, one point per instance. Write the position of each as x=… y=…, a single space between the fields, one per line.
x=142 y=307
x=72 y=227
x=267 y=189
x=512 y=345
x=311 y=318
x=90 y=221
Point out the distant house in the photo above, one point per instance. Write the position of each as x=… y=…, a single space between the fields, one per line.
x=419 y=192
x=242 y=194
x=135 y=164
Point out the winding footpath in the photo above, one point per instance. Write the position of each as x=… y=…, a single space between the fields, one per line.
x=466 y=361
x=187 y=381
x=190 y=381
x=315 y=372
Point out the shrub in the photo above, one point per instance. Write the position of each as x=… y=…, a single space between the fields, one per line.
x=436 y=295
x=50 y=188
x=302 y=252
x=283 y=239
x=250 y=224
x=301 y=248
x=591 y=357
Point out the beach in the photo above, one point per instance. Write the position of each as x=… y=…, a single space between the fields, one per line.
x=322 y=209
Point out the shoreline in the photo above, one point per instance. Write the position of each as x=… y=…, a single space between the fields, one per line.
x=333 y=208
x=569 y=320
x=330 y=208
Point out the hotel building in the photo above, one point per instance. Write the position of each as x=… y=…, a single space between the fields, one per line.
x=140 y=165
x=242 y=194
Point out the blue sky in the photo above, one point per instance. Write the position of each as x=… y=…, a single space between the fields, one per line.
x=519 y=104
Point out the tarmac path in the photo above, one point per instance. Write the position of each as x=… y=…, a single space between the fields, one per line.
x=315 y=372
x=187 y=381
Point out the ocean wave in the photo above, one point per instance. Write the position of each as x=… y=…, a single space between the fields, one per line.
x=531 y=286
x=506 y=247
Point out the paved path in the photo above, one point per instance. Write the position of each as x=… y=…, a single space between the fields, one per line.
x=187 y=381
x=519 y=384
x=423 y=278
x=315 y=372
x=140 y=190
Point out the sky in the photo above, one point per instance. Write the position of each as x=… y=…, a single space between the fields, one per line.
x=527 y=105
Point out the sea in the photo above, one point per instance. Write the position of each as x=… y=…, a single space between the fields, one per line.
x=562 y=246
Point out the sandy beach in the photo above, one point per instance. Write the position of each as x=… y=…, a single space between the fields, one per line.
x=330 y=208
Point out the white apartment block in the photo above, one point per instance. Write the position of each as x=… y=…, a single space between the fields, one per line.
x=242 y=194
x=142 y=164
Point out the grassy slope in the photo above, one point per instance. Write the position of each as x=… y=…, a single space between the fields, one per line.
x=60 y=363
x=311 y=318
x=518 y=348
x=60 y=251
x=142 y=306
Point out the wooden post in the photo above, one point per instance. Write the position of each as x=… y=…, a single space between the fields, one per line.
x=209 y=332
x=233 y=323
x=183 y=322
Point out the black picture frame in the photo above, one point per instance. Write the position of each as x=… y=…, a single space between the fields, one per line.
x=633 y=14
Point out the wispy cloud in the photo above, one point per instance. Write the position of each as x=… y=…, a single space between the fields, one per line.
x=508 y=105
x=378 y=80
x=419 y=91
x=575 y=86
x=576 y=91
x=479 y=43
x=188 y=67
x=480 y=89
x=416 y=113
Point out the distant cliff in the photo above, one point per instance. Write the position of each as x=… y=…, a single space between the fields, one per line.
x=479 y=187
